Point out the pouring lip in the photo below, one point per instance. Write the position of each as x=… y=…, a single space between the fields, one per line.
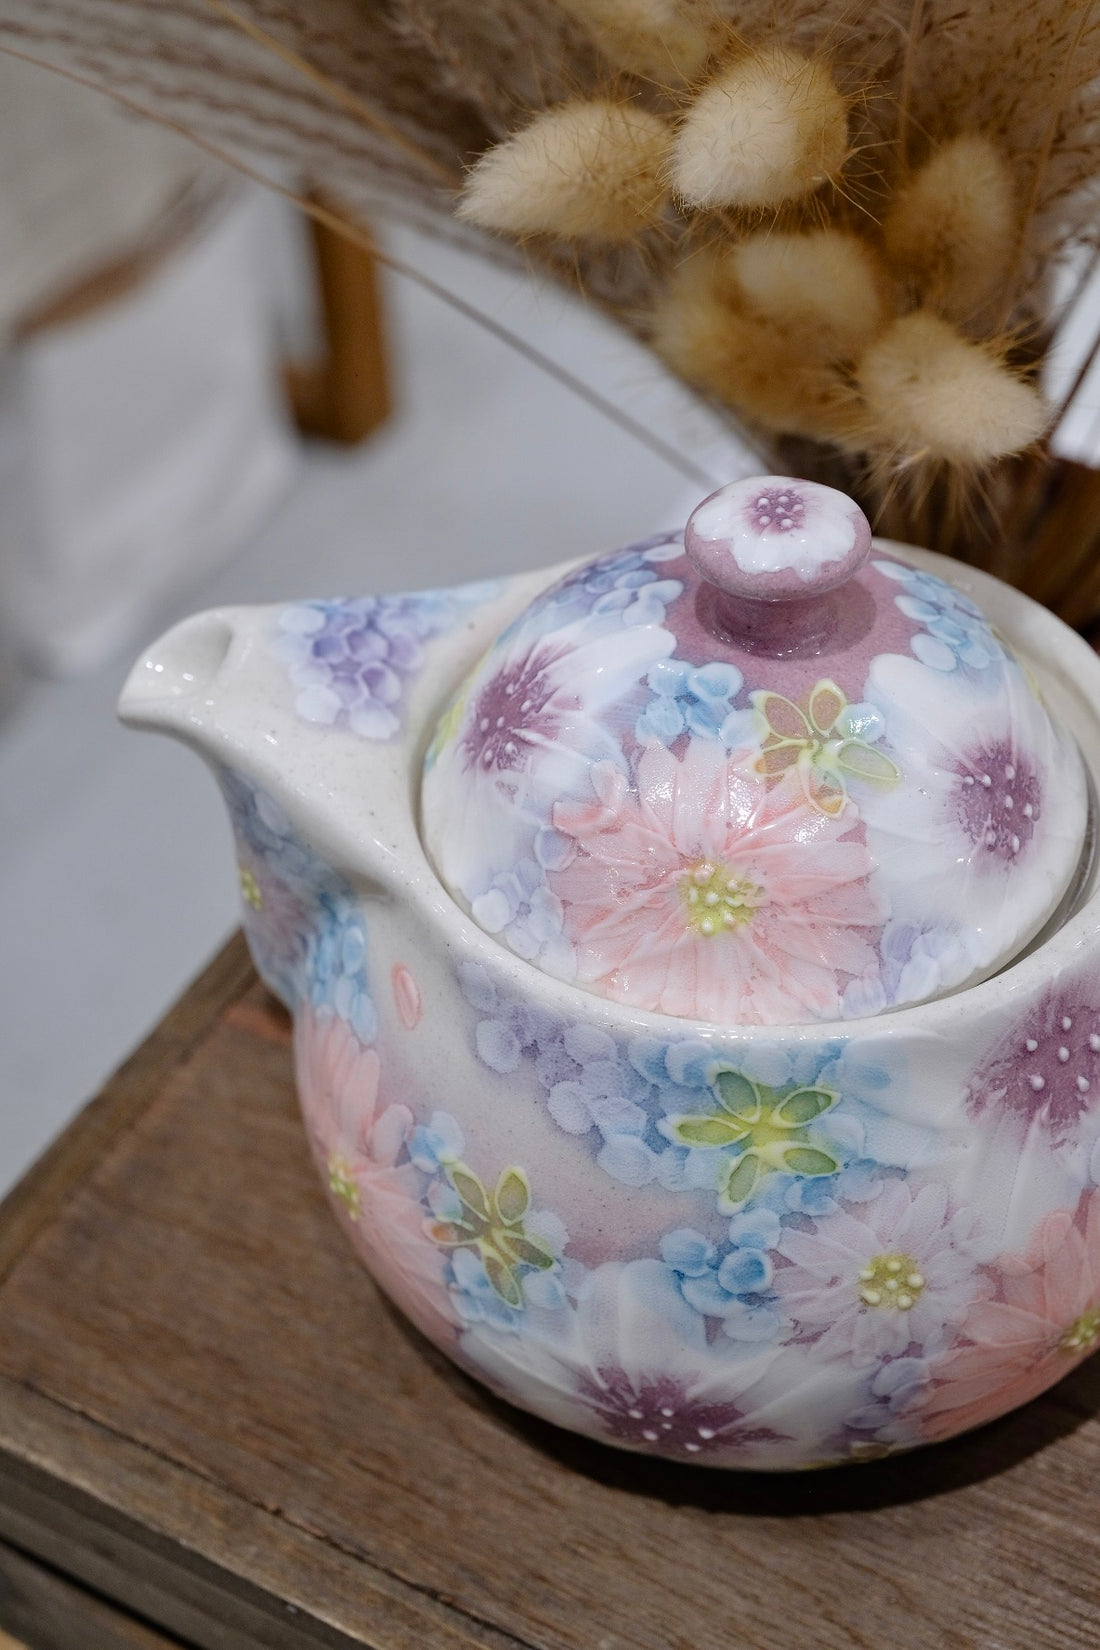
x=175 y=678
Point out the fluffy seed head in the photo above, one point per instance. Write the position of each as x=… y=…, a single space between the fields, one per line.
x=930 y=393
x=590 y=170
x=825 y=288
x=768 y=129
x=951 y=229
x=702 y=329
x=663 y=40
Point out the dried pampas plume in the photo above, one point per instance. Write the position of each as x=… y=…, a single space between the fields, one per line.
x=770 y=128
x=592 y=170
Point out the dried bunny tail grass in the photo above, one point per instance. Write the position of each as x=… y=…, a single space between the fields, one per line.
x=590 y=170
x=769 y=128
x=1027 y=74
x=951 y=229
x=667 y=41
x=701 y=329
x=930 y=394
x=825 y=288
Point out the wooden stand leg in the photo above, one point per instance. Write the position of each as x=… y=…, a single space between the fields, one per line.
x=346 y=395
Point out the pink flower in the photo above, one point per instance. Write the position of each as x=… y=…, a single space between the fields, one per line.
x=406 y=996
x=869 y=1282
x=707 y=892
x=356 y=1144
x=1045 y=1319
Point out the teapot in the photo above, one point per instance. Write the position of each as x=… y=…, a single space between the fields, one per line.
x=694 y=962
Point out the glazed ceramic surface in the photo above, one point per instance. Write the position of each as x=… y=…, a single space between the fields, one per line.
x=722 y=802
x=747 y=1245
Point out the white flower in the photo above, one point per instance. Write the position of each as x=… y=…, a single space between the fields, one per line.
x=631 y=1365
x=871 y=1281
x=975 y=846
x=772 y=524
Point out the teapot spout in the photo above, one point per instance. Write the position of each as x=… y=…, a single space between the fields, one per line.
x=172 y=686
x=323 y=711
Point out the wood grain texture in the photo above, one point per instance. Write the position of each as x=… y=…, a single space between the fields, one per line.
x=50 y=1613
x=203 y=1388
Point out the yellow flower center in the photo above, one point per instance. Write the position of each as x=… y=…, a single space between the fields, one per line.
x=341 y=1183
x=1083 y=1333
x=893 y=1281
x=250 y=889
x=716 y=901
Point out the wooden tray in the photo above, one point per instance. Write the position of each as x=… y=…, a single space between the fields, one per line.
x=208 y=1415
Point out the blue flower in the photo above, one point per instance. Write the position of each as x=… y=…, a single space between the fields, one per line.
x=351 y=660
x=733 y=1286
x=282 y=886
x=436 y=1143
x=336 y=965
x=624 y=588
x=956 y=634
x=692 y=699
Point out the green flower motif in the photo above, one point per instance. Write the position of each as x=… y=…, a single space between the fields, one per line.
x=250 y=889
x=766 y=1129
x=492 y=1223
x=824 y=741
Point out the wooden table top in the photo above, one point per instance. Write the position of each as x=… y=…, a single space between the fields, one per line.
x=208 y=1413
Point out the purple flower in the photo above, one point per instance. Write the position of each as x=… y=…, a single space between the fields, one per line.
x=997 y=798
x=1045 y=1071
x=514 y=713
x=663 y=1413
x=351 y=660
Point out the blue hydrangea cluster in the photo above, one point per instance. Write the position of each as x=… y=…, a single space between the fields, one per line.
x=956 y=634
x=296 y=880
x=731 y=1284
x=351 y=660
x=684 y=698
x=336 y=964
x=622 y=1096
x=625 y=588
x=519 y=907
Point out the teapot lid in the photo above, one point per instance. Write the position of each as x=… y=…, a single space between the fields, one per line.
x=762 y=771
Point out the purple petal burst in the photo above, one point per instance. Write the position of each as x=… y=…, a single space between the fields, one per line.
x=1046 y=1070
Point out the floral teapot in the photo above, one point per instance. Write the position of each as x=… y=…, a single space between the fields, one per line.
x=695 y=970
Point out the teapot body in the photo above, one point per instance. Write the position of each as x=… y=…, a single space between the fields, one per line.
x=759 y=1247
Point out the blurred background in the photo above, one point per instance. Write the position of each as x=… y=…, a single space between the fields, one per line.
x=204 y=400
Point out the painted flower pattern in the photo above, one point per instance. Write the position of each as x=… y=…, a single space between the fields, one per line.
x=358 y=1144
x=955 y=635
x=350 y=661
x=757 y=1130
x=868 y=1283
x=732 y=902
x=772 y=524
x=1045 y=1074
x=827 y=743
x=1041 y=1318
x=699 y=1237
x=664 y=1391
x=971 y=849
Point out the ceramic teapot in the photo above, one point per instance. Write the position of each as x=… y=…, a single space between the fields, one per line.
x=695 y=970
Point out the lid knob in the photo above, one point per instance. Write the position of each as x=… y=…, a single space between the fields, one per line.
x=771 y=549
